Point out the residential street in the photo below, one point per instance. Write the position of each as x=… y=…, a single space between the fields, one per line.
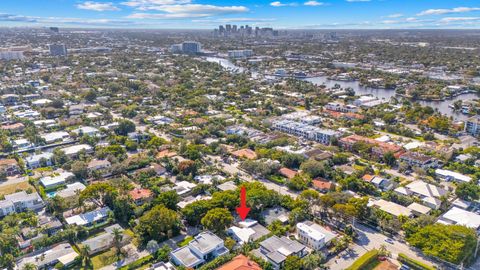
x=370 y=239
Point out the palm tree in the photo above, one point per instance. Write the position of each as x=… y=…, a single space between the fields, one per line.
x=29 y=266
x=85 y=255
x=117 y=240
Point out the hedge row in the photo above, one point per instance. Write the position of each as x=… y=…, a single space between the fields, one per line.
x=138 y=263
x=414 y=263
x=364 y=260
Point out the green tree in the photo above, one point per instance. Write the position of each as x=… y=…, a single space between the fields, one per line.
x=468 y=191
x=117 y=240
x=85 y=255
x=91 y=95
x=453 y=243
x=80 y=169
x=217 y=220
x=158 y=224
x=125 y=127
x=29 y=266
x=313 y=168
x=299 y=182
x=163 y=253
x=293 y=263
x=312 y=261
x=195 y=211
x=99 y=193
x=389 y=158
x=56 y=205
x=169 y=199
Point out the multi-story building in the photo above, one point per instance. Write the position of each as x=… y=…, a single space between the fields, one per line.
x=472 y=126
x=240 y=53
x=19 y=202
x=57 y=49
x=419 y=160
x=335 y=106
x=313 y=235
x=306 y=131
x=191 y=47
x=11 y=55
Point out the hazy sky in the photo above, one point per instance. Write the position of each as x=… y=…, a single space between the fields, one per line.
x=362 y=14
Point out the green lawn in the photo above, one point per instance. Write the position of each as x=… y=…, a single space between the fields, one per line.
x=12 y=188
x=185 y=241
x=105 y=258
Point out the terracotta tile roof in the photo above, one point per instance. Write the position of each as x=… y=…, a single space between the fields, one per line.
x=140 y=193
x=166 y=153
x=288 y=173
x=368 y=177
x=322 y=184
x=245 y=153
x=240 y=262
x=13 y=126
x=385 y=147
x=9 y=161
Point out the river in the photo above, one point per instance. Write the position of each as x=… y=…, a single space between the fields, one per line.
x=442 y=106
x=386 y=94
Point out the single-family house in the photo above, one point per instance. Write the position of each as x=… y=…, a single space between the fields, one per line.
x=9 y=166
x=459 y=216
x=43 y=259
x=19 y=202
x=39 y=160
x=74 y=150
x=89 y=218
x=276 y=250
x=204 y=247
x=314 y=235
x=240 y=262
x=141 y=195
x=50 y=182
x=103 y=241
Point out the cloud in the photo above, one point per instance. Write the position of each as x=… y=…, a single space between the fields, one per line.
x=167 y=16
x=233 y=20
x=148 y=4
x=395 y=15
x=97 y=6
x=448 y=11
x=63 y=20
x=458 y=19
x=280 y=4
x=313 y=3
x=4 y=17
x=200 y=8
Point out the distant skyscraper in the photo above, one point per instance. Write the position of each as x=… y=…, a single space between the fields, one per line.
x=54 y=29
x=228 y=27
x=57 y=49
x=234 y=29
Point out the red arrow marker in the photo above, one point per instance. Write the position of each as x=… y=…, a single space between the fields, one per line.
x=243 y=209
